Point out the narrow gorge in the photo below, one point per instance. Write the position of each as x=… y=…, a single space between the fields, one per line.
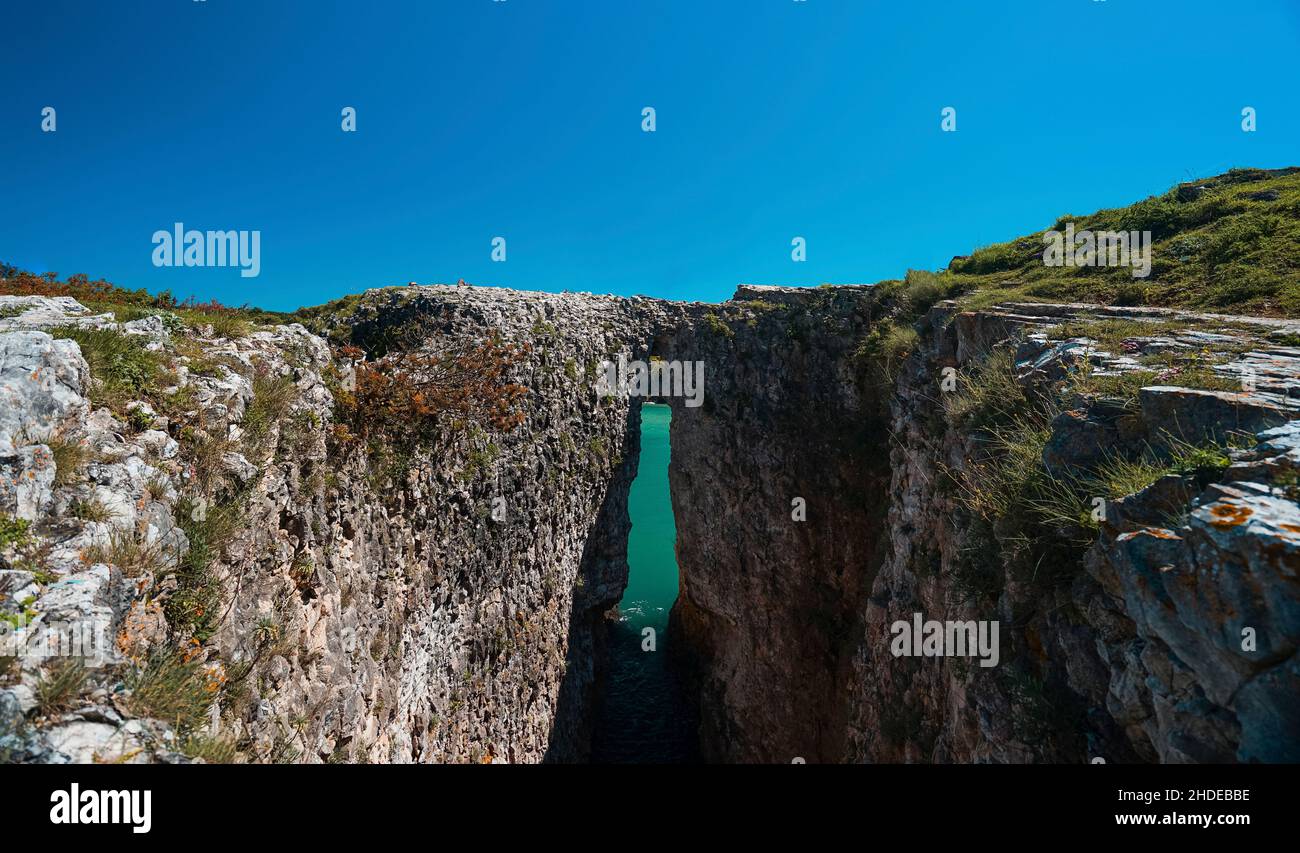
x=453 y=606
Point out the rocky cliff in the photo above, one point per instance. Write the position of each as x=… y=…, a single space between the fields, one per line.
x=1114 y=487
x=331 y=601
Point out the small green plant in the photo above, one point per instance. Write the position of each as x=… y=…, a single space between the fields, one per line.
x=480 y=461
x=140 y=419
x=718 y=326
x=14 y=531
x=302 y=571
x=885 y=348
x=157 y=488
x=267 y=632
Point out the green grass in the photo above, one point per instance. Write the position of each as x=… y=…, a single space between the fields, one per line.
x=1232 y=247
x=920 y=291
x=69 y=458
x=121 y=366
x=1010 y=476
x=1117 y=477
x=89 y=510
x=126 y=549
x=171 y=687
x=987 y=393
x=1111 y=332
x=885 y=348
x=272 y=396
x=192 y=607
x=212 y=749
x=225 y=323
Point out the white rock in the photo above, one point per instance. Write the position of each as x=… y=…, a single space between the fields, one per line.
x=41 y=382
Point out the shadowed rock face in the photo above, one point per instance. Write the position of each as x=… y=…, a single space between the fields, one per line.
x=815 y=506
x=777 y=486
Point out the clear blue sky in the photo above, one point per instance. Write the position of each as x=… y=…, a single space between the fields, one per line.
x=522 y=119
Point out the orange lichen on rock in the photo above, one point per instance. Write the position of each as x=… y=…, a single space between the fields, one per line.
x=1229 y=515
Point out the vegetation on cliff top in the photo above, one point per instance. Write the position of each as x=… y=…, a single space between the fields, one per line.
x=126 y=305
x=1228 y=244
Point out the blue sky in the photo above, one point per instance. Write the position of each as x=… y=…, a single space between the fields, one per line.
x=522 y=119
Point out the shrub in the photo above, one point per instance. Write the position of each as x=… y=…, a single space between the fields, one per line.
x=885 y=347
x=718 y=326
x=14 y=531
x=405 y=399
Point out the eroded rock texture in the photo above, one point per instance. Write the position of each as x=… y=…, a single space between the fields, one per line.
x=442 y=605
x=1127 y=645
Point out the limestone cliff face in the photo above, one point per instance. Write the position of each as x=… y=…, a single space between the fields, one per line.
x=1124 y=640
x=442 y=606
x=1130 y=645
x=440 y=609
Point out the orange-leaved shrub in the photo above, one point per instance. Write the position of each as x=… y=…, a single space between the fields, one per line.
x=410 y=398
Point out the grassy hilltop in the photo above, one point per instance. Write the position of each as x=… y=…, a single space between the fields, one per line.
x=1227 y=244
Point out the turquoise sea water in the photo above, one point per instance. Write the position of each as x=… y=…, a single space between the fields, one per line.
x=640 y=715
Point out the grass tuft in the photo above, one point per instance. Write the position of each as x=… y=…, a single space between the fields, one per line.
x=122 y=368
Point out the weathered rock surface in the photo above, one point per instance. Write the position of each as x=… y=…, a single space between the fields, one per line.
x=1137 y=648
x=445 y=608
